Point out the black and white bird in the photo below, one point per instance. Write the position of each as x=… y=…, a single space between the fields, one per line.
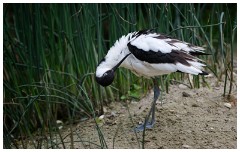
x=150 y=54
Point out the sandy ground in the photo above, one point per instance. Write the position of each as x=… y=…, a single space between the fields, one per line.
x=200 y=120
x=185 y=118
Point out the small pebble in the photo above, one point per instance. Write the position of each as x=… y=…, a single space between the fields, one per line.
x=228 y=105
x=101 y=117
x=113 y=113
x=210 y=75
x=134 y=102
x=211 y=129
x=195 y=105
x=184 y=94
x=186 y=146
x=60 y=124
x=104 y=109
x=182 y=86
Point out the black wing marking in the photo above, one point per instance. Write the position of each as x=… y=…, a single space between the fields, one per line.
x=150 y=56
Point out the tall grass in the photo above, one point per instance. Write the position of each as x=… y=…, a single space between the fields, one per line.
x=51 y=52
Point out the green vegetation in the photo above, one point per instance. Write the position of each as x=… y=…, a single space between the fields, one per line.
x=51 y=52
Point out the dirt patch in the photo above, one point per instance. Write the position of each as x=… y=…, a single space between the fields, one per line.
x=187 y=118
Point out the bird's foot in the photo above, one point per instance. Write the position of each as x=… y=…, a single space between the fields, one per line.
x=149 y=125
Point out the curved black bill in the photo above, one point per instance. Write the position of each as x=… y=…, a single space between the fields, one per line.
x=115 y=67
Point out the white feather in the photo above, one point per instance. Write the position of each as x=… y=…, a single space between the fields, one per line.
x=146 y=43
x=196 y=64
x=188 y=69
x=182 y=46
x=167 y=67
x=116 y=53
x=146 y=69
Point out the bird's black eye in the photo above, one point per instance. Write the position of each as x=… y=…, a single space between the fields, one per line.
x=105 y=74
x=106 y=79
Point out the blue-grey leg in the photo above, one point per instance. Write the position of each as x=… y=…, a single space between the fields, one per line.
x=149 y=124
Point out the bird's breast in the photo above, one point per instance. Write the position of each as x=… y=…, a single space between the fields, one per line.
x=142 y=68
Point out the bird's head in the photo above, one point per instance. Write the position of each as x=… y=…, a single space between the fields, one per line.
x=104 y=72
x=106 y=79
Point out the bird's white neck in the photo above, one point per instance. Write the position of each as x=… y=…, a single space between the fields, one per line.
x=116 y=53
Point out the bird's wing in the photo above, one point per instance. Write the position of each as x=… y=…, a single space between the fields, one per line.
x=156 y=48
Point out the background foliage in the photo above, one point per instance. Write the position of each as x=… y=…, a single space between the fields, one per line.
x=51 y=52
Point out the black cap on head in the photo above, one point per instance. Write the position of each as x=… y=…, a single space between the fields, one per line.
x=106 y=79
